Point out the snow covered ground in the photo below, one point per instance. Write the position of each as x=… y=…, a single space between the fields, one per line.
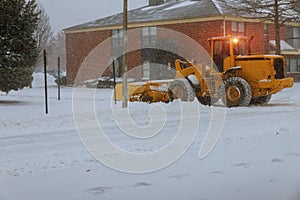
x=42 y=156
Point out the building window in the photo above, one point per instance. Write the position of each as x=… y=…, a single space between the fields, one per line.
x=266 y=39
x=241 y=26
x=146 y=70
x=293 y=37
x=117 y=50
x=117 y=42
x=238 y=28
x=233 y=26
x=117 y=36
x=149 y=35
x=293 y=65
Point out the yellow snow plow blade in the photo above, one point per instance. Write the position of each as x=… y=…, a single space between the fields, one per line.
x=156 y=91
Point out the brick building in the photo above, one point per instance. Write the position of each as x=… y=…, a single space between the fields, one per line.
x=197 y=19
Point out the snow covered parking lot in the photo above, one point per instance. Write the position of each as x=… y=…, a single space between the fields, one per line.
x=42 y=156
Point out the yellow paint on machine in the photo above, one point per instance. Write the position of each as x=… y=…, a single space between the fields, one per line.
x=234 y=75
x=149 y=91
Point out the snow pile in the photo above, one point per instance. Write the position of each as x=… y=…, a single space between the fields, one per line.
x=39 y=81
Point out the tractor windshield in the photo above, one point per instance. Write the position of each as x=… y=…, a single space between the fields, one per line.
x=221 y=49
x=220 y=52
x=239 y=47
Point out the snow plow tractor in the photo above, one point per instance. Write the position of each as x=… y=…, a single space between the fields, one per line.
x=233 y=75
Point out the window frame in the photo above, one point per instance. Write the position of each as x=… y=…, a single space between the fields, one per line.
x=149 y=35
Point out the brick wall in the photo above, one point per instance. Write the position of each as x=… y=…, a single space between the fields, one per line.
x=201 y=31
x=79 y=45
x=134 y=54
x=256 y=30
x=79 y=53
x=283 y=32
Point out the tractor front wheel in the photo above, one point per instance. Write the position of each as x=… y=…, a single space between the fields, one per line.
x=181 y=89
x=236 y=92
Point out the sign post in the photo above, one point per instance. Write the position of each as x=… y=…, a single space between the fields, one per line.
x=45 y=77
x=114 y=74
x=58 y=78
x=124 y=65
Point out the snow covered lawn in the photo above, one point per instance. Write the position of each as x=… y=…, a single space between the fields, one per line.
x=43 y=158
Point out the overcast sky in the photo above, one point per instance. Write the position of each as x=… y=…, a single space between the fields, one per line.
x=67 y=13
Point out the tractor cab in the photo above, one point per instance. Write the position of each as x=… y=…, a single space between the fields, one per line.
x=225 y=49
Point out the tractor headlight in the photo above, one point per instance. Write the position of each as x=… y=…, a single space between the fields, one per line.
x=235 y=40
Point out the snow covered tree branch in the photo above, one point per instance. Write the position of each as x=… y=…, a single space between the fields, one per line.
x=278 y=12
x=43 y=35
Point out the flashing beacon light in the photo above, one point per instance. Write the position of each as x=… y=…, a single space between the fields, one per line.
x=235 y=40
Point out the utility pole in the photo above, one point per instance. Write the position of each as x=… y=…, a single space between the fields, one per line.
x=125 y=22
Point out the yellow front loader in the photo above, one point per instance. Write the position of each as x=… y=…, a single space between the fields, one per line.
x=233 y=75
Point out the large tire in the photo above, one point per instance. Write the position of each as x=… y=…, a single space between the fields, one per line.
x=261 y=100
x=181 y=89
x=205 y=100
x=236 y=92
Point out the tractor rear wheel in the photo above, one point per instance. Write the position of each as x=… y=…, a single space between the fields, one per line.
x=237 y=92
x=181 y=89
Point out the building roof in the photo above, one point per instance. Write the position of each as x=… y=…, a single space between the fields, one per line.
x=170 y=10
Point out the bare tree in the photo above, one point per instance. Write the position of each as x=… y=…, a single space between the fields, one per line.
x=57 y=49
x=279 y=12
x=43 y=35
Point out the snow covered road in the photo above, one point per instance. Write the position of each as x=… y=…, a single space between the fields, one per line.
x=42 y=156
